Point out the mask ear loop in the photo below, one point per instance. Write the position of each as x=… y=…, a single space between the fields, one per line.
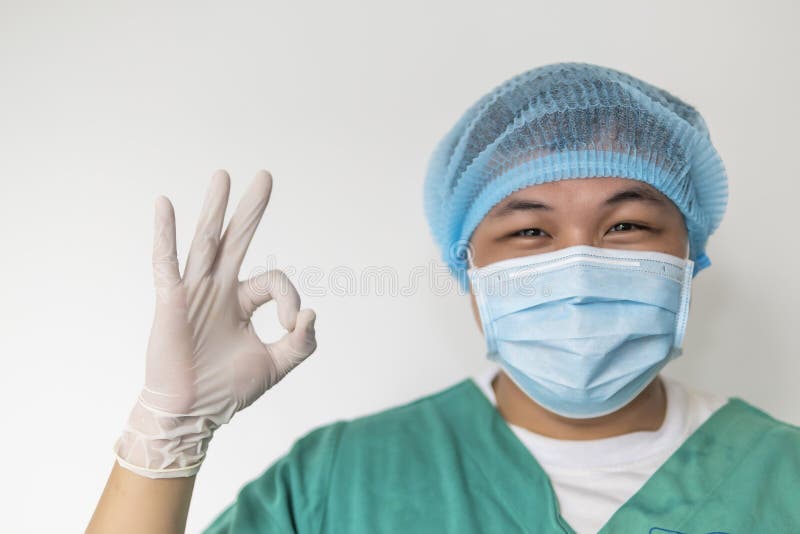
x=470 y=261
x=480 y=300
x=686 y=292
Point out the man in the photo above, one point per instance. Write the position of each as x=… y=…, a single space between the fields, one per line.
x=575 y=203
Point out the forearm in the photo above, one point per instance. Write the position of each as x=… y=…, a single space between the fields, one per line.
x=134 y=504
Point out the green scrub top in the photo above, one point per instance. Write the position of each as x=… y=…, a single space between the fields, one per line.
x=449 y=463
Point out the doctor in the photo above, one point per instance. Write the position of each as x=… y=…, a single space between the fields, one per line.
x=574 y=202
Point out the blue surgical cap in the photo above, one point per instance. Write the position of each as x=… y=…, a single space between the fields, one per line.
x=572 y=120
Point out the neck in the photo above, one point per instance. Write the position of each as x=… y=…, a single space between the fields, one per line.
x=645 y=412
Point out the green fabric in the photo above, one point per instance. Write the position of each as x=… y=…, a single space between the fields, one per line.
x=449 y=463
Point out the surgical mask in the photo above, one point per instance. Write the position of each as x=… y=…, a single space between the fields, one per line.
x=583 y=330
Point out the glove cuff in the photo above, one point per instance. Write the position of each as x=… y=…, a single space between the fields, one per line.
x=157 y=444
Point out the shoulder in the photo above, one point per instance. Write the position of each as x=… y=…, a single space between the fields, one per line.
x=423 y=406
x=374 y=450
x=769 y=440
x=415 y=417
x=756 y=416
x=388 y=451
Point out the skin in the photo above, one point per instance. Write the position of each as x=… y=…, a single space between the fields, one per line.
x=133 y=504
x=603 y=212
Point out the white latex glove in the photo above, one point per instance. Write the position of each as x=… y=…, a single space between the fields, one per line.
x=204 y=359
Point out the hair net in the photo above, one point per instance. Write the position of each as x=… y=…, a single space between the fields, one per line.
x=572 y=120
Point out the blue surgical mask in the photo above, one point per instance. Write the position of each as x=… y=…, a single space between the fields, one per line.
x=583 y=330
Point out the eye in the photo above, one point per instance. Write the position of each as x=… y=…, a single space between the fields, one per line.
x=530 y=232
x=626 y=227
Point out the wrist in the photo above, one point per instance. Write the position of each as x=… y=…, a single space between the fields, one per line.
x=158 y=444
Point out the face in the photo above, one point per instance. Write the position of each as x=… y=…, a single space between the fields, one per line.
x=602 y=212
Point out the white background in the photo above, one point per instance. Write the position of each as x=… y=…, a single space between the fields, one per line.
x=105 y=105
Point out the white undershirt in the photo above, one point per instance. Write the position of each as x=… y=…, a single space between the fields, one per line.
x=594 y=478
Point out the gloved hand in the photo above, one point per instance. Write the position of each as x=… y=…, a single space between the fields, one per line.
x=204 y=359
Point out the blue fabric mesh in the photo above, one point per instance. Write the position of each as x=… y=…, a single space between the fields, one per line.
x=572 y=120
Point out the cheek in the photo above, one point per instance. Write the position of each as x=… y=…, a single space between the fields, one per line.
x=677 y=240
x=480 y=247
x=487 y=244
x=475 y=314
x=489 y=247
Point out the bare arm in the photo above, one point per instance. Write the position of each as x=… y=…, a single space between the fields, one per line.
x=134 y=504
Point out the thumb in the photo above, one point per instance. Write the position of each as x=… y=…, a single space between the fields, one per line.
x=295 y=346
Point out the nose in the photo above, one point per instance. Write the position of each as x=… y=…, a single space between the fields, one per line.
x=577 y=235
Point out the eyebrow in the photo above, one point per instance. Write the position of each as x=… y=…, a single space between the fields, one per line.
x=519 y=204
x=634 y=193
x=637 y=193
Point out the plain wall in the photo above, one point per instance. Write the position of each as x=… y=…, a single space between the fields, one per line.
x=105 y=105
